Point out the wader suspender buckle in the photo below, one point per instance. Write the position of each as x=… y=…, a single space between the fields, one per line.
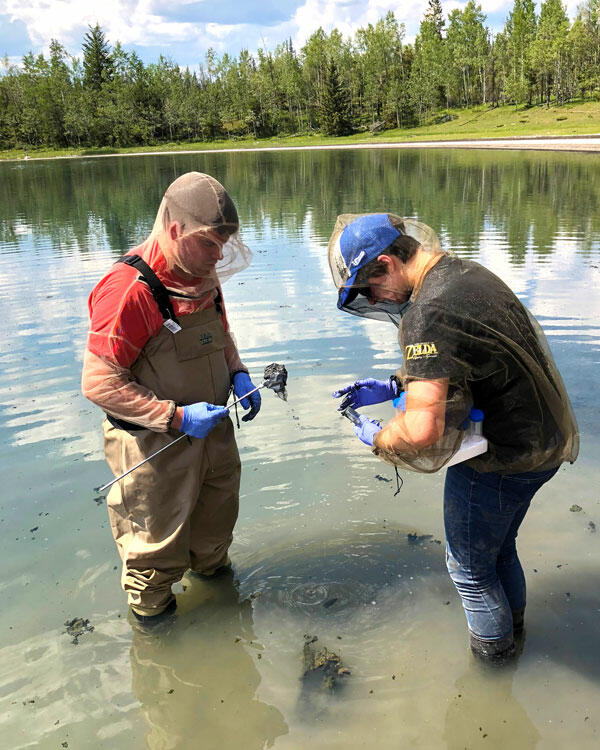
x=158 y=289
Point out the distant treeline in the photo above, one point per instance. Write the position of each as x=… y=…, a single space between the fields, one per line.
x=332 y=85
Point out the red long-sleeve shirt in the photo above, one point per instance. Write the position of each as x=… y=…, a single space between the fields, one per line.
x=123 y=317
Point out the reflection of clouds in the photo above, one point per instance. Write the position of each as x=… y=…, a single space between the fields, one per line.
x=64 y=685
x=254 y=323
x=493 y=253
x=561 y=287
x=21 y=228
x=298 y=299
x=304 y=472
x=42 y=347
x=384 y=340
x=307 y=288
x=567 y=287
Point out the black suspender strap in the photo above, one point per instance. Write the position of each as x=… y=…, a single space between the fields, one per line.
x=158 y=289
x=161 y=296
x=218 y=300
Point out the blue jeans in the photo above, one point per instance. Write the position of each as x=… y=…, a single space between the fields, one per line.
x=482 y=515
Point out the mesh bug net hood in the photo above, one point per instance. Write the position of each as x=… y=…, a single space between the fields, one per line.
x=357 y=240
x=193 y=247
x=204 y=211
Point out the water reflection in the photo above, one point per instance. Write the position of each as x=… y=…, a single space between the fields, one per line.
x=527 y=199
x=362 y=590
x=196 y=683
x=532 y=218
x=484 y=712
x=322 y=547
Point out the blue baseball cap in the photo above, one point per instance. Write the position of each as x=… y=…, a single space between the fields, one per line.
x=362 y=241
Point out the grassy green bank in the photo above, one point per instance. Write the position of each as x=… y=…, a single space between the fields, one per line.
x=575 y=118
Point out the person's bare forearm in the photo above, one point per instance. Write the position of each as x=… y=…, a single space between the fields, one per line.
x=409 y=432
x=393 y=437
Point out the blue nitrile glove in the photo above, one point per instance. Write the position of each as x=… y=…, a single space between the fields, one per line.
x=200 y=418
x=366 y=392
x=366 y=430
x=400 y=401
x=241 y=385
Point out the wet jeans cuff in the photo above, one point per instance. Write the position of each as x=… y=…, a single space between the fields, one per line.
x=493 y=648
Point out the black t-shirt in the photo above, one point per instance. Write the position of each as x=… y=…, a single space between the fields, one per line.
x=468 y=326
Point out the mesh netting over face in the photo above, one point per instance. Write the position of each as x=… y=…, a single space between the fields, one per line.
x=356 y=242
x=197 y=227
x=466 y=341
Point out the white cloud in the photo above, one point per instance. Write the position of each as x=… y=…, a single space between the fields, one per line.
x=348 y=17
x=140 y=23
x=11 y=60
x=220 y=31
x=127 y=21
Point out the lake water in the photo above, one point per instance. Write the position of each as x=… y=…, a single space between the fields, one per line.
x=322 y=546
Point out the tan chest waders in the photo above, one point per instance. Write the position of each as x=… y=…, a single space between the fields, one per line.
x=178 y=510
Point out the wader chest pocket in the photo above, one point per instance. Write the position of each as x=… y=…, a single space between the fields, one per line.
x=199 y=341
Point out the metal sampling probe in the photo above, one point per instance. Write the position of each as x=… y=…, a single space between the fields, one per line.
x=275 y=379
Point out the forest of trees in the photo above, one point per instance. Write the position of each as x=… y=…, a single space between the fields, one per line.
x=332 y=85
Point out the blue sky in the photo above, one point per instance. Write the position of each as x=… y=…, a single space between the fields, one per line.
x=183 y=30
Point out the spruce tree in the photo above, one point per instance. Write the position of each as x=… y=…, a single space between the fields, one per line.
x=335 y=104
x=435 y=15
x=97 y=61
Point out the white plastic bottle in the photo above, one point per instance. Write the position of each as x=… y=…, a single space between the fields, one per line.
x=473 y=443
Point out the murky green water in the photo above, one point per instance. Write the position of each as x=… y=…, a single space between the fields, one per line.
x=322 y=546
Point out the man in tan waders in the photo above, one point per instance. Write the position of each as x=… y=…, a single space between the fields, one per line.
x=160 y=360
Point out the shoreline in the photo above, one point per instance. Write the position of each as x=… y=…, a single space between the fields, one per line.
x=579 y=143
